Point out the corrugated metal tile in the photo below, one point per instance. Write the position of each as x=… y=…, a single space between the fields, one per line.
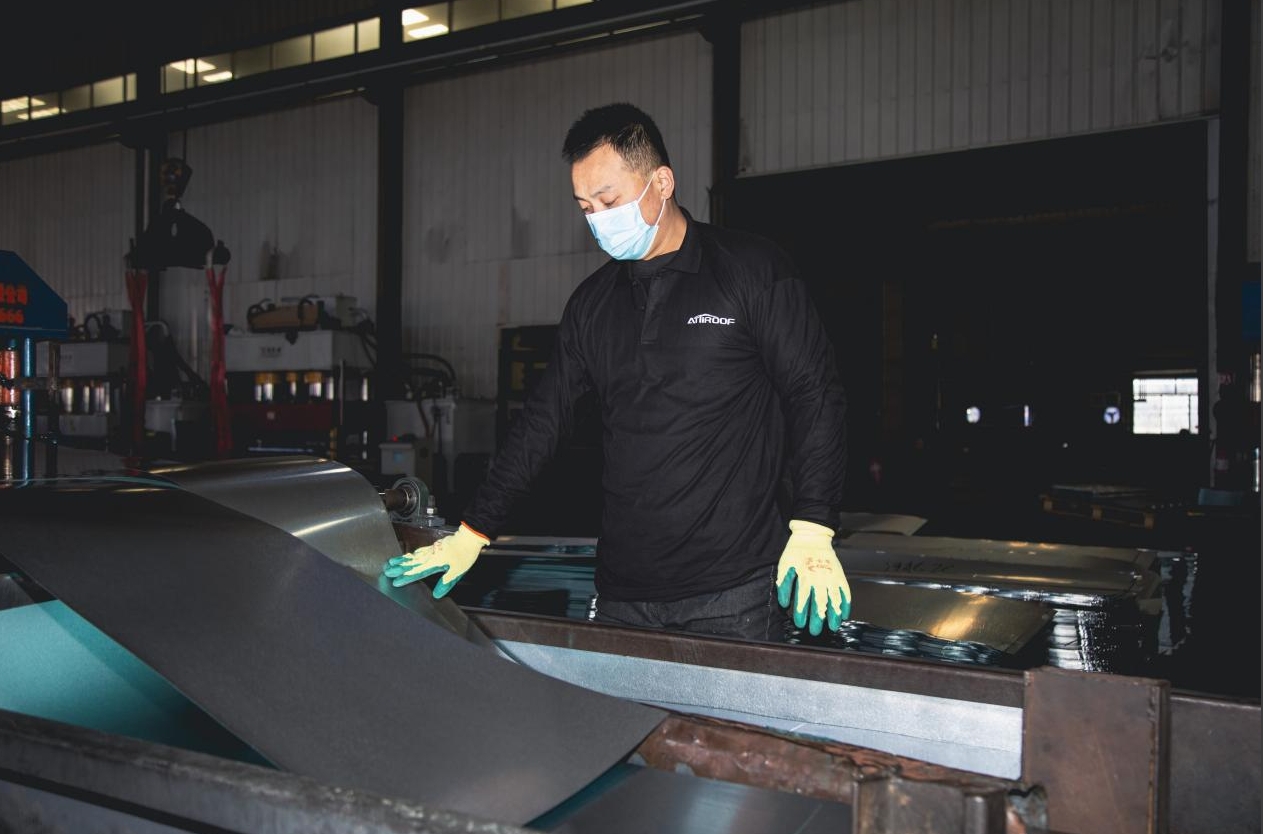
x=492 y=234
x=293 y=195
x=898 y=77
x=69 y=216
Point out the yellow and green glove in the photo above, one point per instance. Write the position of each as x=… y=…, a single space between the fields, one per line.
x=454 y=554
x=810 y=572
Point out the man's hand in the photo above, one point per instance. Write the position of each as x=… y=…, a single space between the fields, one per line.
x=454 y=554
x=809 y=563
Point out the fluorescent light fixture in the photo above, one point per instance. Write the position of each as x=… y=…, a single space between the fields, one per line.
x=427 y=31
x=11 y=104
x=191 y=66
x=45 y=111
x=411 y=17
x=212 y=77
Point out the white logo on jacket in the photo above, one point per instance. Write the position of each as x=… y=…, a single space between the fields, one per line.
x=707 y=318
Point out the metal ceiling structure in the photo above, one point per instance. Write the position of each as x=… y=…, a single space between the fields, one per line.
x=61 y=53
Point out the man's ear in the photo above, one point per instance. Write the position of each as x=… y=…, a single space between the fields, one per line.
x=664 y=182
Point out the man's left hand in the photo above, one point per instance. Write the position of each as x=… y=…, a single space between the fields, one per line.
x=810 y=572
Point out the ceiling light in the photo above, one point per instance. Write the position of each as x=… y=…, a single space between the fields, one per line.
x=411 y=17
x=45 y=111
x=212 y=77
x=11 y=104
x=427 y=31
x=192 y=66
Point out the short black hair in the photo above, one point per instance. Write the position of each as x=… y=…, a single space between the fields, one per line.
x=625 y=128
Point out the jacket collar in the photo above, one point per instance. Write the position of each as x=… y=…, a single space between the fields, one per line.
x=689 y=256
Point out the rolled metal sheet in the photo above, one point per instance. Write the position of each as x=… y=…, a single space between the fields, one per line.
x=305 y=662
x=330 y=507
x=323 y=502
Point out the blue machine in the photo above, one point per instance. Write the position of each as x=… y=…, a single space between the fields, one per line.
x=29 y=311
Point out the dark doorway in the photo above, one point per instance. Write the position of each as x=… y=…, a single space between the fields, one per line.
x=1030 y=281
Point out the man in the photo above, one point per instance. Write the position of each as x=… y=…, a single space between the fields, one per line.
x=715 y=380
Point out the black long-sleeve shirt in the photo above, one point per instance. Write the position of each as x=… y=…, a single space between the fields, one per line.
x=715 y=378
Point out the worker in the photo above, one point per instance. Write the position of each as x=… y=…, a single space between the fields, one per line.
x=716 y=383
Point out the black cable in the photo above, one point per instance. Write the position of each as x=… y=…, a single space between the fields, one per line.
x=89 y=317
x=435 y=358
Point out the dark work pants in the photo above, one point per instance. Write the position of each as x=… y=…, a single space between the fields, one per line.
x=748 y=611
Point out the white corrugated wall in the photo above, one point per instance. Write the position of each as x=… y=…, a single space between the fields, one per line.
x=492 y=234
x=293 y=195
x=870 y=79
x=70 y=216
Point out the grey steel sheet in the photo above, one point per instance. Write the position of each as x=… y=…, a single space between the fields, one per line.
x=1017 y=552
x=329 y=506
x=1002 y=624
x=1099 y=583
x=880 y=523
x=640 y=800
x=305 y=662
x=323 y=502
x=887 y=618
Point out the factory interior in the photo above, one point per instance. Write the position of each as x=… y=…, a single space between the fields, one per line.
x=276 y=279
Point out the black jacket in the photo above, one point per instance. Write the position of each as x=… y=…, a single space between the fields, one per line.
x=714 y=381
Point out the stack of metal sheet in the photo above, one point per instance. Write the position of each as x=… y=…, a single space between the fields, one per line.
x=517 y=573
x=1106 y=601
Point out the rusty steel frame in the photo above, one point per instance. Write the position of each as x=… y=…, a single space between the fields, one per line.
x=1212 y=745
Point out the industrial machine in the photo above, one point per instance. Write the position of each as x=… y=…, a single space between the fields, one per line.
x=303 y=383
x=271 y=679
x=92 y=372
x=30 y=311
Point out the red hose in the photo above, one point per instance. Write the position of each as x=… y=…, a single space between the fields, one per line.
x=137 y=284
x=219 y=373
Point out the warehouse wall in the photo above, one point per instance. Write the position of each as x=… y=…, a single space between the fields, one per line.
x=293 y=195
x=492 y=235
x=70 y=216
x=1254 y=232
x=871 y=79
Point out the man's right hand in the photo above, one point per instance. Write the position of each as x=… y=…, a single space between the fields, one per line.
x=454 y=554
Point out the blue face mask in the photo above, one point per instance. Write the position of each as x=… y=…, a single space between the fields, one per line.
x=622 y=231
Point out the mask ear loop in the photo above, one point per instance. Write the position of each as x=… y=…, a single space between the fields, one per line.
x=662 y=210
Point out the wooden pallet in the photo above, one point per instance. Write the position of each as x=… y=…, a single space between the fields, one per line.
x=1116 y=513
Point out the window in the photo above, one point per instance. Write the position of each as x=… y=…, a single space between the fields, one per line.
x=1164 y=405
x=109 y=91
x=335 y=43
x=466 y=14
x=192 y=72
x=418 y=23
x=424 y=22
x=251 y=61
x=45 y=105
x=368 y=35
x=292 y=52
x=76 y=98
x=520 y=8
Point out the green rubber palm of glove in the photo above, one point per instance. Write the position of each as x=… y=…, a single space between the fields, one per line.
x=453 y=555
x=810 y=572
